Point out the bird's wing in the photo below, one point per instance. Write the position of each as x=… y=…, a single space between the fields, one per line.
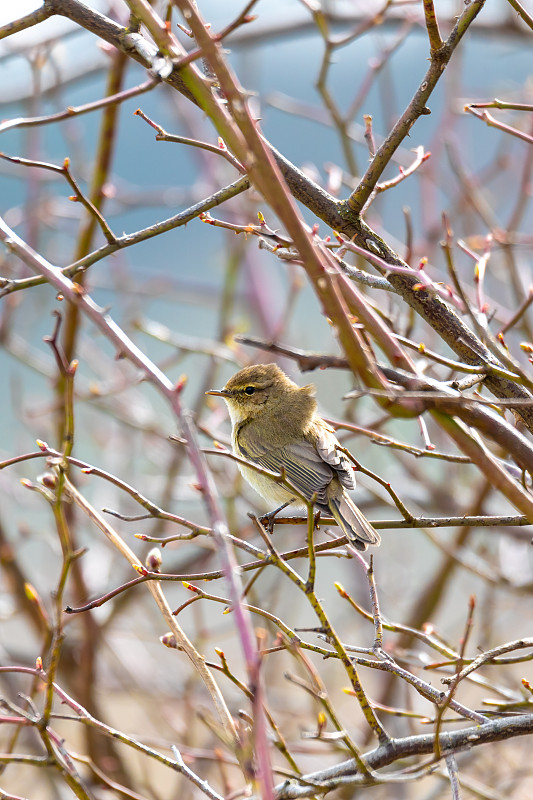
x=327 y=446
x=303 y=465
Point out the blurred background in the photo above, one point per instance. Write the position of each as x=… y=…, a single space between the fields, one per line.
x=184 y=295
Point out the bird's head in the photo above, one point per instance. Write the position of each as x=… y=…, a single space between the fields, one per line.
x=258 y=390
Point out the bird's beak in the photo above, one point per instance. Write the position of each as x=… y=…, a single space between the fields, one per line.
x=220 y=392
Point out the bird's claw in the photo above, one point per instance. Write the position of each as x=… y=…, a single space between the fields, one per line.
x=267 y=520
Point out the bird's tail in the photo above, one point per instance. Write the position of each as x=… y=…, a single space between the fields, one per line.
x=353 y=522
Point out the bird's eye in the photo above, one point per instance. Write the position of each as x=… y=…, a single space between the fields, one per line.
x=249 y=390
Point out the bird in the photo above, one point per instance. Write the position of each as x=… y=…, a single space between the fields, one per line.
x=276 y=425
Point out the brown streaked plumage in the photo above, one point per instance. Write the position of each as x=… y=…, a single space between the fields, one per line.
x=276 y=426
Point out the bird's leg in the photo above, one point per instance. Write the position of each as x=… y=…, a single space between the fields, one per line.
x=268 y=519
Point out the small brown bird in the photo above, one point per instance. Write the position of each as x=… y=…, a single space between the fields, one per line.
x=276 y=426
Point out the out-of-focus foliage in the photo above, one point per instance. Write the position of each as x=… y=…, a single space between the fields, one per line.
x=379 y=248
